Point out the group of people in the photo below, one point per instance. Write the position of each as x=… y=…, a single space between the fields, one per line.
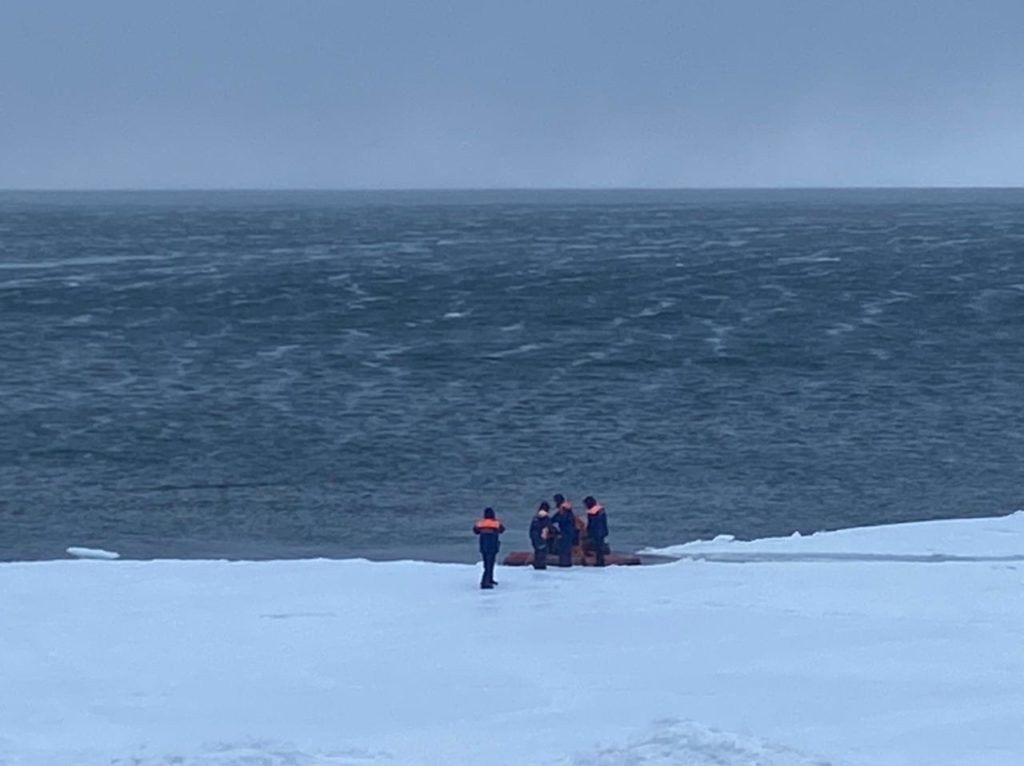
x=550 y=533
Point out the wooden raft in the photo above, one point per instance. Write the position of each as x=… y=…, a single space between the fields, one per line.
x=579 y=559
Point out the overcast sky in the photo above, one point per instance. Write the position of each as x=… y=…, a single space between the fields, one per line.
x=510 y=93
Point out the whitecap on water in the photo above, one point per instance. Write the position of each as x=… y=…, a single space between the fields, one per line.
x=278 y=351
x=526 y=348
x=590 y=356
x=840 y=329
x=651 y=311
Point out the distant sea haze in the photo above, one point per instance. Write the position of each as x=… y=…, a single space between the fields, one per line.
x=277 y=374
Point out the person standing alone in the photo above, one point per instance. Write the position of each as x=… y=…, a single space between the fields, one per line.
x=597 y=528
x=540 y=530
x=488 y=529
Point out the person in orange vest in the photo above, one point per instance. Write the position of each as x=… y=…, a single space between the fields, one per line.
x=488 y=529
x=597 y=528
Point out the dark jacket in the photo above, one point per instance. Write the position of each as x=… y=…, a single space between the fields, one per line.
x=540 y=531
x=566 y=521
x=488 y=531
x=597 y=523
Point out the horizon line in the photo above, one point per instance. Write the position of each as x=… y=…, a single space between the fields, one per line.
x=478 y=189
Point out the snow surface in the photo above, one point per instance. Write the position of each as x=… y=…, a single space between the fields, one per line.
x=951 y=540
x=894 y=645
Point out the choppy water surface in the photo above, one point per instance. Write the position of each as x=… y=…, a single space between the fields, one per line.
x=358 y=374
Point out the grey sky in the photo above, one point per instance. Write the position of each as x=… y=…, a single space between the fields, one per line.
x=482 y=93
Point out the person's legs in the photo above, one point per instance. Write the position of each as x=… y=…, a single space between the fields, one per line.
x=599 y=552
x=488 y=579
x=565 y=552
x=540 y=558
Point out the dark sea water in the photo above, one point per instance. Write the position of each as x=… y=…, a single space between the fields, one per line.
x=359 y=374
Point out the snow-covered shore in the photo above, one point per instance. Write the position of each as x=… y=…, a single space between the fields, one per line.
x=893 y=645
